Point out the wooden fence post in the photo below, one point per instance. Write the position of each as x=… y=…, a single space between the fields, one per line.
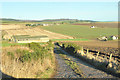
x=82 y=51
x=87 y=51
x=110 y=58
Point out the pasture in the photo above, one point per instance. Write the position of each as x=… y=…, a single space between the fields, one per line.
x=82 y=31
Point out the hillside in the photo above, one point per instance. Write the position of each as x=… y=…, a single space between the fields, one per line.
x=45 y=20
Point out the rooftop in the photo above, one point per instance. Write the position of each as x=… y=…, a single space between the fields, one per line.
x=29 y=37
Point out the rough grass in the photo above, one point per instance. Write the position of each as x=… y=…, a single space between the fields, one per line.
x=40 y=58
x=82 y=31
x=46 y=74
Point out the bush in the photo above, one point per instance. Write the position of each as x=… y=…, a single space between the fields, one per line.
x=71 y=48
x=39 y=52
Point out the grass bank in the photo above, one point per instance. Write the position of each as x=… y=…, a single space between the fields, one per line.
x=29 y=61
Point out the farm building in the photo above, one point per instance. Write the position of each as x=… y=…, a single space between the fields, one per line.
x=45 y=24
x=114 y=37
x=104 y=38
x=92 y=27
x=29 y=39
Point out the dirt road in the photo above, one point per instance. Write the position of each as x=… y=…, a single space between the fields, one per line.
x=88 y=70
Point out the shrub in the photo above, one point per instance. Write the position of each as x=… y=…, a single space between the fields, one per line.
x=39 y=52
x=71 y=48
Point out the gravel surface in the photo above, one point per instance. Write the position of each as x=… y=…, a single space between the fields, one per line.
x=88 y=70
x=63 y=70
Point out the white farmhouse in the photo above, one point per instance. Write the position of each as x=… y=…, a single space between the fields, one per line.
x=114 y=37
x=92 y=27
x=45 y=24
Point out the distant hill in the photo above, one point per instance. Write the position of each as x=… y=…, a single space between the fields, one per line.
x=7 y=19
x=46 y=20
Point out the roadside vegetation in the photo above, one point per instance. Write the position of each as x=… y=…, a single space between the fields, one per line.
x=32 y=60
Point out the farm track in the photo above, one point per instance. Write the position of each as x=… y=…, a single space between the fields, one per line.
x=63 y=70
x=88 y=70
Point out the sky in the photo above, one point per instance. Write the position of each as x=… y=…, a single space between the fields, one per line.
x=97 y=11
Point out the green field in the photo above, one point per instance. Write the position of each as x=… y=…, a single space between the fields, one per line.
x=82 y=31
x=70 y=40
x=6 y=43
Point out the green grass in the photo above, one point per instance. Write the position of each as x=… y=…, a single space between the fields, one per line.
x=70 y=40
x=81 y=31
x=6 y=43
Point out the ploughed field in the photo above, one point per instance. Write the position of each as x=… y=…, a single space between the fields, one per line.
x=101 y=24
x=83 y=30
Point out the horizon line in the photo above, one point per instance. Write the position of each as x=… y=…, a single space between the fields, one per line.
x=59 y=18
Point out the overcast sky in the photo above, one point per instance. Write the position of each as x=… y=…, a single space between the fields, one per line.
x=100 y=11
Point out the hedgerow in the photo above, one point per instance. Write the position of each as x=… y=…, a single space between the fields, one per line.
x=70 y=47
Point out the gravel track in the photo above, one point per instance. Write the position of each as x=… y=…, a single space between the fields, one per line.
x=64 y=71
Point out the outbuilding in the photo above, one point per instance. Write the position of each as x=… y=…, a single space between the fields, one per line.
x=114 y=37
x=29 y=39
x=92 y=27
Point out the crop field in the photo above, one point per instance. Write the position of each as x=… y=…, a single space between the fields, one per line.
x=12 y=26
x=23 y=30
x=82 y=31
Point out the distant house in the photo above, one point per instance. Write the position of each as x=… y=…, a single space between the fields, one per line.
x=104 y=38
x=57 y=24
x=45 y=24
x=114 y=37
x=92 y=27
x=29 y=39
